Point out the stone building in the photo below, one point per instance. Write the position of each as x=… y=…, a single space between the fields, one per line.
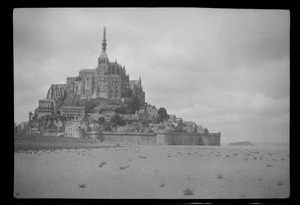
x=73 y=128
x=190 y=126
x=107 y=80
x=46 y=107
x=72 y=111
x=152 y=110
x=137 y=90
x=129 y=119
x=133 y=127
x=147 y=112
x=142 y=115
x=23 y=125
x=56 y=91
x=200 y=129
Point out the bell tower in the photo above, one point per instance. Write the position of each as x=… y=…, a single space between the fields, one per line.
x=103 y=59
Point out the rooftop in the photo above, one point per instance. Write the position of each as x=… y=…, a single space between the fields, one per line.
x=87 y=70
x=72 y=107
x=103 y=55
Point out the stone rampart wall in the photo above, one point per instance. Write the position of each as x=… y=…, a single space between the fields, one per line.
x=188 y=139
x=128 y=138
x=211 y=139
x=138 y=138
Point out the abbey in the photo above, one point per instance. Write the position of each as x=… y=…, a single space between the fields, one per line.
x=107 y=80
x=103 y=103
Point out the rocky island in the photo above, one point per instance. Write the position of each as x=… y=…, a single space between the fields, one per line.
x=102 y=103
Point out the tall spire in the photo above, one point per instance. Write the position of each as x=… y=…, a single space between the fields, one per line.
x=104 y=40
x=140 y=81
x=103 y=56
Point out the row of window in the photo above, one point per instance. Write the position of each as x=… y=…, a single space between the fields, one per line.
x=45 y=105
x=101 y=78
x=72 y=127
x=71 y=115
x=71 y=112
x=102 y=61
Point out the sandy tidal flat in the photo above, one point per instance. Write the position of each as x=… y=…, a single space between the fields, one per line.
x=163 y=172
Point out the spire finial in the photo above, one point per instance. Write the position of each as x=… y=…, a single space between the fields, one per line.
x=104 y=40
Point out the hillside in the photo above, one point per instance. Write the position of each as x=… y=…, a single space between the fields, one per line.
x=94 y=105
x=91 y=104
x=52 y=122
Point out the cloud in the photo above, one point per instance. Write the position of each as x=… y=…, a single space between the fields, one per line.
x=231 y=111
x=226 y=69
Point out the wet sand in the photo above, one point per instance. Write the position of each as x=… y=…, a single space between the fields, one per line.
x=160 y=172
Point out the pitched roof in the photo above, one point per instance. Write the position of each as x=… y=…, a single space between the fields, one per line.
x=103 y=55
x=87 y=70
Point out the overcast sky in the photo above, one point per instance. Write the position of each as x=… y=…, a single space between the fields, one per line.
x=226 y=69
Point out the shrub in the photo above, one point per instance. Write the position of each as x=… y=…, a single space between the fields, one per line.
x=81 y=185
x=162 y=184
x=162 y=113
x=102 y=163
x=121 y=110
x=219 y=176
x=124 y=167
x=188 y=191
x=101 y=120
x=116 y=119
x=133 y=105
x=279 y=183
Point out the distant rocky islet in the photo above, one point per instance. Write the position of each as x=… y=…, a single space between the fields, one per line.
x=244 y=143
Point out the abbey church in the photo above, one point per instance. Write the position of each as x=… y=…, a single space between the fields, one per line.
x=108 y=80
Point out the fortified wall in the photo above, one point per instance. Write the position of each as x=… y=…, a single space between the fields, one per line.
x=138 y=138
x=188 y=139
x=128 y=138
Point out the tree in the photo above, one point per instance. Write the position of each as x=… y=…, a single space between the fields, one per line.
x=181 y=124
x=133 y=105
x=206 y=131
x=121 y=110
x=127 y=93
x=179 y=129
x=117 y=120
x=145 y=123
x=82 y=133
x=101 y=120
x=162 y=113
x=156 y=120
